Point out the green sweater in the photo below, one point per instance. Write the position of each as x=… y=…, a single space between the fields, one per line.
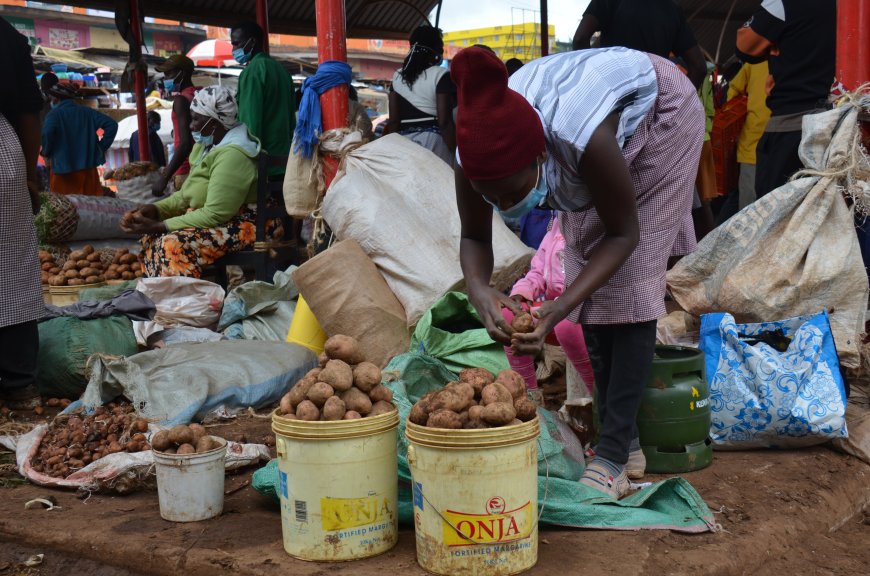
x=221 y=180
x=267 y=105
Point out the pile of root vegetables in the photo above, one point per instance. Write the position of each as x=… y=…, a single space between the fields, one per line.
x=74 y=442
x=82 y=267
x=478 y=400
x=184 y=439
x=345 y=387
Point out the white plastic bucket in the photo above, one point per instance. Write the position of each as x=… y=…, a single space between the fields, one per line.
x=338 y=486
x=475 y=498
x=190 y=487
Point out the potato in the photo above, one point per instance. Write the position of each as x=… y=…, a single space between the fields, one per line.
x=475 y=419
x=170 y=450
x=205 y=443
x=82 y=264
x=291 y=416
x=307 y=411
x=186 y=449
x=341 y=347
x=45 y=256
x=477 y=377
x=77 y=255
x=88 y=249
x=525 y=408
x=75 y=282
x=54 y=271
x=128 y=258
x=523 y=323
x=43 y=277
x=69 y=274
x=160 y=440
x=198 y=431
x=338 y=375
x=127 y=276
x=463 y=388
x=514 y=422
x=381 y=393
x=57 y=281
x=418 y=415
x=112 y=276
x=286 y=405
x=123 y=268
x=322 y=359
x=299 y=392
x=314 y=374
x=444 y=419
x=46 y=266
x=334 y=409
x=115 y=447
x=133 y=446
x=93 y=279
x=88 y=271
x=366 y=376
x=498 y=413
x=319 y=393
x=513 y=382
x=381 y=407
x=357 y=400
x=180 y=434
x=68 y=265
x=496 y=392
x=93 y=257
x=352 y=415
x=448 y=399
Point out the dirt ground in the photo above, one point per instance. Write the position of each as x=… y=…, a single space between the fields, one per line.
x=777 y=510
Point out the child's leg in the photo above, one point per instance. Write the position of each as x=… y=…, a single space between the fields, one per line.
x=522 y=365
x=570 y=337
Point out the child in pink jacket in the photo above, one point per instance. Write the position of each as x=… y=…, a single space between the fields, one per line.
x=546 y=281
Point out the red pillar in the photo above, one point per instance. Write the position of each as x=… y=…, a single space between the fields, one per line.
x=853 y=42
x=545 y=30
x=263 y=21
x=332 y=45
x=139 y=84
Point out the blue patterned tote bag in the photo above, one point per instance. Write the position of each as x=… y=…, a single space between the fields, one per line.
x=773 y=384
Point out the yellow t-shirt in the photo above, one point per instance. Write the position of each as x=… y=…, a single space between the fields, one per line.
x=751 y=81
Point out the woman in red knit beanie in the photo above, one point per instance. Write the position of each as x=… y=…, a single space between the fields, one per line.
x=612 y=138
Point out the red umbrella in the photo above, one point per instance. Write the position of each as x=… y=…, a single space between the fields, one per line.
x=214 y=53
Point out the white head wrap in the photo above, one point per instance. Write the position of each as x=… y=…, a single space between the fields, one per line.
x=219 y=103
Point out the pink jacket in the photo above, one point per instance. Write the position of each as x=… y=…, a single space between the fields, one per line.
x=547 y=274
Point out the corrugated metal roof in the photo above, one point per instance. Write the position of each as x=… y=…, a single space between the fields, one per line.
x=388 y=19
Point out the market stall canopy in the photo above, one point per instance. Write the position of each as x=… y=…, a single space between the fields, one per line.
x=386 y=19
x=715 y=23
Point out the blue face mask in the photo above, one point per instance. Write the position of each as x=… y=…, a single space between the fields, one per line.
x=531 y=201
x=169 y=84
x=239 y=54
x=154 y=128
x=205 y=139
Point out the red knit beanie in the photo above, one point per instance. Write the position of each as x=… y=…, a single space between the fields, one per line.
x=497 y=130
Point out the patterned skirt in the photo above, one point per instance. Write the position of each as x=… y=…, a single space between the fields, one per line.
x=186 y=252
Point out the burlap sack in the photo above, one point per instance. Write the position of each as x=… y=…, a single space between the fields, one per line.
x=348 y=295
x=300 y=186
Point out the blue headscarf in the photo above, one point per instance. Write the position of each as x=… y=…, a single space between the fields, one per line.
x=309 y=124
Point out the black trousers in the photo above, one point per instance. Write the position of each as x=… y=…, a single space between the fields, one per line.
x=19 y=345
x=622 y=356
x=776 y=160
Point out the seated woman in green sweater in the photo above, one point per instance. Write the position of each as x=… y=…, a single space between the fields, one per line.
x=214 y=212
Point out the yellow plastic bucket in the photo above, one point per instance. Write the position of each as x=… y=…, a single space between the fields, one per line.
x=338 y=486
x=305 y=330
x=475 y=498
x=66 y=295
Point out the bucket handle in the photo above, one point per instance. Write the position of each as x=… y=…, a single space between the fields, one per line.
x=540 y=509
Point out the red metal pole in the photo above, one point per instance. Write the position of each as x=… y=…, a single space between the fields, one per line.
x=853 y=42
x=263 y=21
x=545 y=30
x=139 y=86
x=332 y=45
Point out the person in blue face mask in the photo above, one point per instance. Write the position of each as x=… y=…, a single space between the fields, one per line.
x=178 y=87
x=266 y=96
x=611 y=138
x=158 y=152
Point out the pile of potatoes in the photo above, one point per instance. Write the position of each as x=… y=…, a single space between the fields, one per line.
x=79 y=440
x=184 y=439
x=345 y=387
x=82 y=267
x=124 y=266
x=478 y=400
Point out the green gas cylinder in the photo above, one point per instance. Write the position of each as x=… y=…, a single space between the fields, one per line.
x=674 y=416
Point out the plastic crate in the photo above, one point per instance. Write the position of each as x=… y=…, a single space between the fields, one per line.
x=727 y=125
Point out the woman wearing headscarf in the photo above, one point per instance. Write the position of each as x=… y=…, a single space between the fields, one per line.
x=612 y=139
x=214 y=212
x=422 y=96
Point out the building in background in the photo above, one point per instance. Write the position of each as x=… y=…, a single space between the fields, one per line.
x=521 y=40
x=68 y=28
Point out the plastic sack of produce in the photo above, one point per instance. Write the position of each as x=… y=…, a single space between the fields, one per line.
x=407 y=222
x=794 y=251
x=57 y=219
x=122 y=472
x=100 y=217
x=260 y=310
x=135 y=180
x=348 y=295
x=773 y=384
x=180 y=301
x=187 y=382
x=66 y=344
x=452 y=332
